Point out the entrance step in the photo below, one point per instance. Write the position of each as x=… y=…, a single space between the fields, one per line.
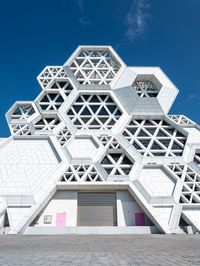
x=85 y=230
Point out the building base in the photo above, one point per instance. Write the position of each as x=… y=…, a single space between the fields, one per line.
x=87 y=230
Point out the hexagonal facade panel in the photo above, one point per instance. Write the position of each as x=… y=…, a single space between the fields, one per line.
x=82 y=147
x=98 y=143
x=95 y=66
x=49 y=74
x=156 y=92
x=146 y=86
x=20 y=130
x=182 y=120
x=81 y=173
x=51 y=101
x=94 y=111
x=23 y=111
x=157 y=182
x=20 y=115
x=116 y=161
x=155 y=137
x=190 y=193
x=47 y=123
x=62 y=85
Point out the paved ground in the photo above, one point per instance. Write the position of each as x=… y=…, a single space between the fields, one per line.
x=100 y=250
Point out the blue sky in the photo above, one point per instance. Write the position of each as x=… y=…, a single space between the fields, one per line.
x=37 y=33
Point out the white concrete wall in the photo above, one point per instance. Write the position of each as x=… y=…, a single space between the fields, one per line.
x=157 y=182
x=126 y=207
x=25 y=165
x=62 y=201
x=66 y=201
x=16 y=214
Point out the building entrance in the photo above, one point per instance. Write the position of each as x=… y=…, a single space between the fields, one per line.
x=97 y=209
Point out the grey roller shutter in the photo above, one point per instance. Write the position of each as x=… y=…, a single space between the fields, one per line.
x=97 y=209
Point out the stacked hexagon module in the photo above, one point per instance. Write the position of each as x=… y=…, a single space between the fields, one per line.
x=99 y=125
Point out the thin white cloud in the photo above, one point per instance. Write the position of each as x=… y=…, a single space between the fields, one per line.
x=136 y=19
x=192 y=97
x=80 y=4
x=83 y=19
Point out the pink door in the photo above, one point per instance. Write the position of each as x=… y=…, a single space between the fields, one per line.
x=139 y=219
x=60 y=219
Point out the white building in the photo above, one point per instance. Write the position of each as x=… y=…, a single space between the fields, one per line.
x=97 y=152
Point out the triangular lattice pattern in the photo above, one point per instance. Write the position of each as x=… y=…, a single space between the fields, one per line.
x=106 y=124
x=181 y=120
x=51 y=101
x=113 y=143
x=62 y=85
x=104 y=139
x=116 y=161
x=191 y=183
x=81 y=173
x=21 y=130
x=22 y=111
x=95 y=66
x=51 y=73
x=47 y=123
x=63 y=135
x=94 y=112
x=145 y=88
x=155 y=138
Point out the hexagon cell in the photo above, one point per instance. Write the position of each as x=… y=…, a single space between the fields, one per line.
x=98 y=139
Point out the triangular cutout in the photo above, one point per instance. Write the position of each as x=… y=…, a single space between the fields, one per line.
x=98 y=179
x=16 y=214
x=117 y=172
x=86 y=111
x=103 y=112
x=95 y=75
x=73 y=65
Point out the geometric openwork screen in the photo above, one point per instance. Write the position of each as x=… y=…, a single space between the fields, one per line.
x=51 y=73
x=99 y=125
x=191 y=183
x=181 y=120
x=22 y=111
x=62 y=85
x=51 y=101
x=145 y=88
x=155 y=137
x=21 y=130
x=91 y=111
x=95 y=66
x=116 y=161
x=47 y=123
x=63 y=135
x=77 y=173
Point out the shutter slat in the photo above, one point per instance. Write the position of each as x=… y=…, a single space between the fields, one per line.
x=97 y=209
